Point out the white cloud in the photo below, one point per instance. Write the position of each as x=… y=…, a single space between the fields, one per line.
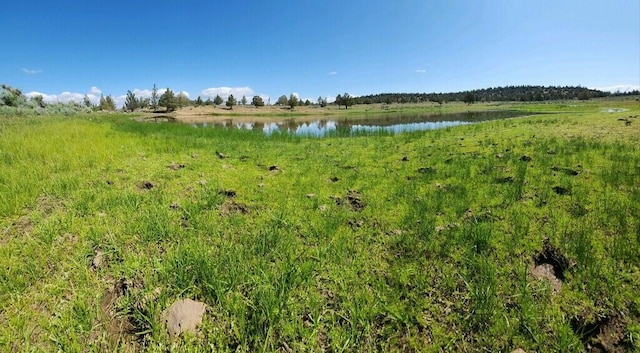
x=30 y=71
x=421 y=71
x=332 y=73
x=66 y=97
x=224 y=92
x=618 y=88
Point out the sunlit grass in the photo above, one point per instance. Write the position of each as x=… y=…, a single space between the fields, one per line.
x=420 y=241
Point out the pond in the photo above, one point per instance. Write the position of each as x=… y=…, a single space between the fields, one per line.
x=392 y=123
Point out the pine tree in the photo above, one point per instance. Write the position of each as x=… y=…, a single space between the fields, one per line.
x=231 y=101
x=168 y=100
x=131 y=103
x=154 y=98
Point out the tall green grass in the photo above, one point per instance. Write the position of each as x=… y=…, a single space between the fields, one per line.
x=422 y=241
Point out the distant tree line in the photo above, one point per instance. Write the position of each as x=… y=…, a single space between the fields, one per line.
x=497 y=94
x=13 y=101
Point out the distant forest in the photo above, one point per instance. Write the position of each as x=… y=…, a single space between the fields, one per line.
x=498 y=94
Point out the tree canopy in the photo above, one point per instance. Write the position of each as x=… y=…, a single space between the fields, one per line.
x=257 y=101
x=231 y=101
x=282 y=100
x=168 y=100
x=293 y=101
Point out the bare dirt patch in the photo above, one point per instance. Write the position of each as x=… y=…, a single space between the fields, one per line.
x=118 y=326
x=231 y=207
x=353 y=199
x=550 y=264
x=606 y=334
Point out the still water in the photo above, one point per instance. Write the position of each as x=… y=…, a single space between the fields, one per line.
x=393 y=123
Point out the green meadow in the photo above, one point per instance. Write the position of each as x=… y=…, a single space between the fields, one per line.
x=517 y=233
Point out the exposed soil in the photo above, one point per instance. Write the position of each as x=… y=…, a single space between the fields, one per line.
x=561 y=190
x=232 y=207
x=426 y=170
x=552 y=256
x=227 y=193
x=606 y=334
x=353 y=200
x=175 y=166
x=567 y=171
x=146 y=185
x=550 y=264
x=118 y=326
x=504 y=180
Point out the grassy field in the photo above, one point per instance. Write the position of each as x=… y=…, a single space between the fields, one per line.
x=519 y=233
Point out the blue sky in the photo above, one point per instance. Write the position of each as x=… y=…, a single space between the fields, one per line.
x=66 y=49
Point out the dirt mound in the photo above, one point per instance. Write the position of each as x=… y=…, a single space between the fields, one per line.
x=353 y=200
x=605 y=334
x=183 y=316
x=561 y=190
x=550 y=264
x=146 y=185
x=232 y=207
x=118 y=325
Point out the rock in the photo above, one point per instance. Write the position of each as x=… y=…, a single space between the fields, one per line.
x=221 y=155
x=274 y=168
x=183 y=316
x=526 y=158
x=519 y=350
x=405 y=159
x=310 y=196
x=334 y=179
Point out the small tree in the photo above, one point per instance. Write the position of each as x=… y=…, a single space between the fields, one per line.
x=130 y=103
x=182 y=100
x=339 y=100
x=199 y=101
x=282 y=100
x=469 y=98
x=244 y=100
x=168 y=100
x=322 y=102
x=154 y=98
x=208 y=102
x=293 y=101
x=39 y=101
x=218 y=100
x=86 y=101
x=107 y=103
x=143 y=102
x=346 y=100
x=231 y=101
x=257 y=101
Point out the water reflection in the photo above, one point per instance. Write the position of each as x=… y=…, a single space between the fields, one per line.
x=395 y=123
